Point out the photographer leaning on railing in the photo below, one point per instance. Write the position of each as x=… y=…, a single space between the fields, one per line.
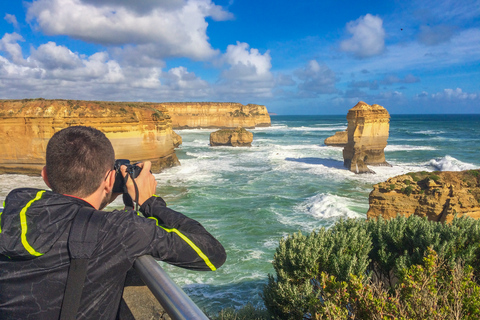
x=47 y=237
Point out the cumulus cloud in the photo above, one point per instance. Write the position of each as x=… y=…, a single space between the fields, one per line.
x=54 y=71
x=316 y=79
x=50 y=56
x=249 y=70
x=368 y=37
x=174 y=28
x=9 y=44
x=455 y=94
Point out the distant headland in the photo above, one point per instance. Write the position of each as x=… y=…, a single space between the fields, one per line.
x=139 y=131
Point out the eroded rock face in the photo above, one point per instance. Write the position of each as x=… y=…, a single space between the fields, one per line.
x=217 y=115
x=339 y=139
x=435 y=195
x=368 y=129
x=138 y=131
x=231 y=137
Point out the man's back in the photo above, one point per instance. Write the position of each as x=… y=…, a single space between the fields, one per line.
x=34 y=257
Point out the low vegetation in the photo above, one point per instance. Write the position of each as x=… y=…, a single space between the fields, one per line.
x=403 y=268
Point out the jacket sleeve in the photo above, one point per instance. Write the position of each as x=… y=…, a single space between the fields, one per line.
x=177 y=239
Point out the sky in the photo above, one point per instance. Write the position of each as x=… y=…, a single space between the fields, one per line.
x=301 y=57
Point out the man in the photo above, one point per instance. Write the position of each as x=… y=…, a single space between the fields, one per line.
x=35 y=229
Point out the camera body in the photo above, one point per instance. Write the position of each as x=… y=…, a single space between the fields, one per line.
x=132 y=169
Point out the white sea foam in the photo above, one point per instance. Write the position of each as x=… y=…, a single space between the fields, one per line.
x=390 y=148
x=449 y=163
x=429 y=132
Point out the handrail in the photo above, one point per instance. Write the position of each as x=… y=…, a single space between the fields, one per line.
x=173 y=299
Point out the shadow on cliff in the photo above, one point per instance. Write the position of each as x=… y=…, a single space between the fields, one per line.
x=330 y=163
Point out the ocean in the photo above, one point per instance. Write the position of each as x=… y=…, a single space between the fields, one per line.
x=288 y=181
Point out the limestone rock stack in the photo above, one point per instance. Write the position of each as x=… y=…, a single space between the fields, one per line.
x=435 y=195
x=138 y=131
x=238 y=137
x=368 y=129
x=339 y=139
x=216 y=115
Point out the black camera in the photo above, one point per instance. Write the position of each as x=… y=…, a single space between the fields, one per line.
x=133 y=171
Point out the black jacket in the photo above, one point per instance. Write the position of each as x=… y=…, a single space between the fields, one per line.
x=34 y=258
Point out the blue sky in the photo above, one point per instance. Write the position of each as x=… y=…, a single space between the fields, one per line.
x=303 y=57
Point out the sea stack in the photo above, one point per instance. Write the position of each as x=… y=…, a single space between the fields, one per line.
x=368 y=129
x=238 y=137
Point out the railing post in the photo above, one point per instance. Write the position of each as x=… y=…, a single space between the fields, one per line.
x=173 y=299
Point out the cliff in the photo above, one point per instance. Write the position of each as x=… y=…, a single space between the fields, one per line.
x=238 y=137
x=138 y=131
x=216 y=115
x=438 y=195
x=339 y=139
x=368 y=129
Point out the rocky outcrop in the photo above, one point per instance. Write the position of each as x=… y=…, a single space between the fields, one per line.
x=216 y=115
x=435 y=195
x=368 y=129
x=339 y=139
x=231 y=137
x=138 y=131
x=177 y=139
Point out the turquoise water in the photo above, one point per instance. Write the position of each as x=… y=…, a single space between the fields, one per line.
x=288 y=181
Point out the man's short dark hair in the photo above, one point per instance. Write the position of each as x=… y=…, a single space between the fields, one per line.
x=77 y=160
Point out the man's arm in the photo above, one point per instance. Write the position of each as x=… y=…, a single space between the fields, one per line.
x=173 y=237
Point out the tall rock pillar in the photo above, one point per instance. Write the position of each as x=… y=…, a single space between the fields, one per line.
x=368 y=127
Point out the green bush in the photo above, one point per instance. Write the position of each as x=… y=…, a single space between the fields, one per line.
x=428 y=291
x=356 y=250
x=408 y=190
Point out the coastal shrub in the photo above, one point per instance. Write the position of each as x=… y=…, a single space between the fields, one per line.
x=247 y=312
x=357 y=250
x=392 y=186
x=408 y=190
x=428 y=291
x=300 y=260
x=407 y=182
x=434 y=177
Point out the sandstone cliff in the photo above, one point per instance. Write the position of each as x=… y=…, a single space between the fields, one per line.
x=216 y=115
x=339 y=139
x=238 y=137
x=368 y=129
x=138 y=131
x=438 y=195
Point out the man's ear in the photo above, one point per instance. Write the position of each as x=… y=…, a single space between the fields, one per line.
x=110 y=181
x=44 y=176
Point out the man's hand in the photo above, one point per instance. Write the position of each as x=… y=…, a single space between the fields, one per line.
x=146 y=183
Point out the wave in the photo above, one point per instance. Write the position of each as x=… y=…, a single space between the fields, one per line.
x=390 y=148
x=325 y=206
x=429 y=132
x=449 y=163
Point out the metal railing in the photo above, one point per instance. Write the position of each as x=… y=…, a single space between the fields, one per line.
x=173 y=299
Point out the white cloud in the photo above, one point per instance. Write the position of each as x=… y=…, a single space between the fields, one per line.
x=455 y=94
x=249 y=72
x=248 y=65
x=9 y=44
x=51 y=56
x=10 y=18
x=54 y=71
x=316 y=79
x=174 y=28
x=368 y=37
